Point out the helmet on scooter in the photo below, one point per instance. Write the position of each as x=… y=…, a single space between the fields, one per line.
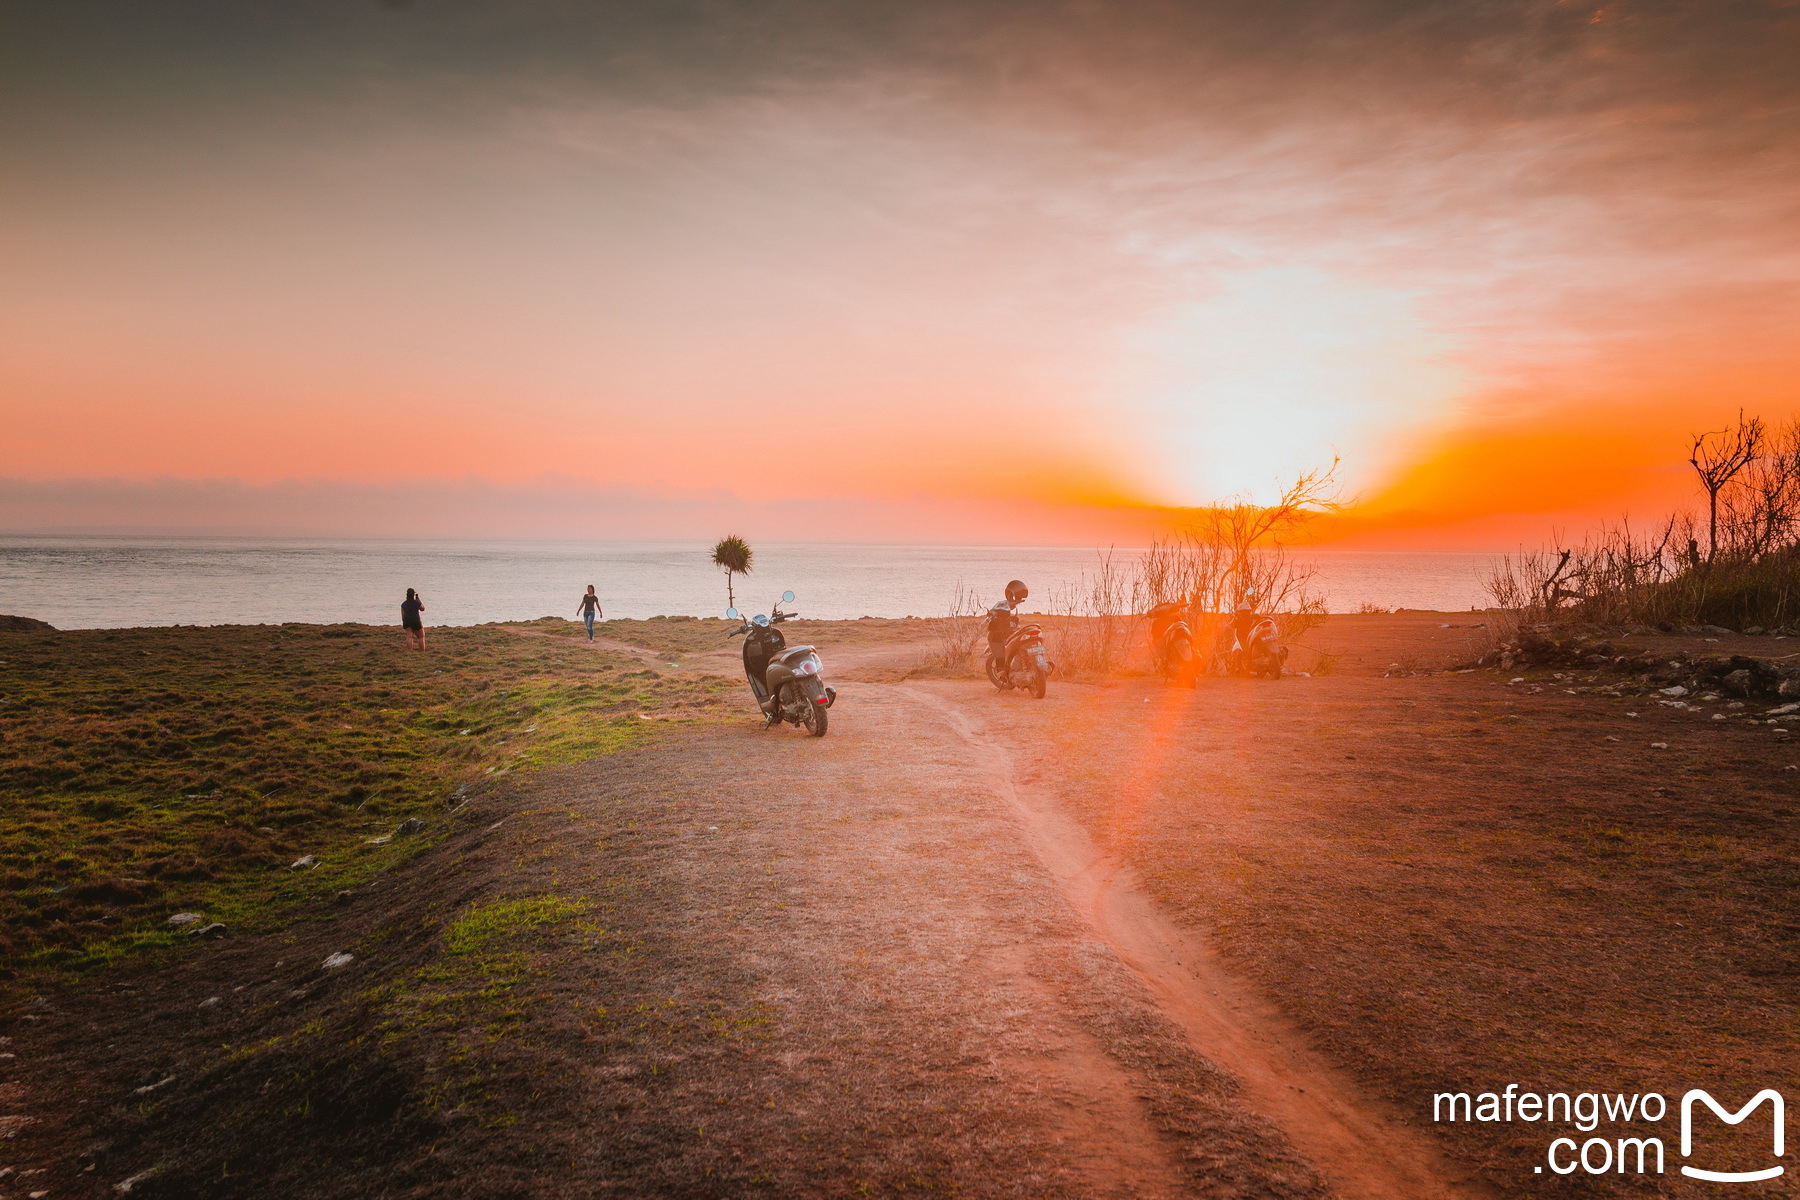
x=1017 y=591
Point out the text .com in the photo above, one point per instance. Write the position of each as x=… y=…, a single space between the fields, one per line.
x=1586 y=1111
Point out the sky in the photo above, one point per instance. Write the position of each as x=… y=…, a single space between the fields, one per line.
x=921 y=271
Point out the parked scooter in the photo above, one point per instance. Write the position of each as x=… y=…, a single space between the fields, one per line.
x=1258 y=655
x=1023 y=664
x=788 y=682
x=1172 y=644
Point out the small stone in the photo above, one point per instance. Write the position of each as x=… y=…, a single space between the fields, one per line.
x=309 y=861
x=209 y=931
x=1659 y=745
x=211 y=1002
x=383 y=840
x=1718 y=716
x=185 y=918
x=341 y=898
x=1677 y=690
x=409 y=827
x=124 y=1186
x=151 y=1087
x=340 y=959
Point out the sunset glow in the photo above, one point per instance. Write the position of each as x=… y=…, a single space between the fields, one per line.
x=990 y=272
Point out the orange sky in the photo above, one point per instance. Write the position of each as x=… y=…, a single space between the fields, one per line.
x=985 y=272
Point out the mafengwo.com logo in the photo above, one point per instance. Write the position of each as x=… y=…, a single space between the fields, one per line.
x=1630 y=1151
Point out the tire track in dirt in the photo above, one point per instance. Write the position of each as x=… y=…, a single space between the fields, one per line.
x=1362 y=1154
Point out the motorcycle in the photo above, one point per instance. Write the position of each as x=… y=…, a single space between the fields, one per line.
x=1172 y=642
x=788 y=682
x=1264 y=656
x=1026 y=663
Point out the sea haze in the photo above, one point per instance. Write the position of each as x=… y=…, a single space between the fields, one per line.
x=106 y=582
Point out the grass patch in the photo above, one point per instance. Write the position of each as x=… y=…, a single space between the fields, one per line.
x=149 y=771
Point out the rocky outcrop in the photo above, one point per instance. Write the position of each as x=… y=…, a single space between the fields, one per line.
x=25 y=625
x=1738 y=675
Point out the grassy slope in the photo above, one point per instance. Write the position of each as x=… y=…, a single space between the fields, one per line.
x=148 y=771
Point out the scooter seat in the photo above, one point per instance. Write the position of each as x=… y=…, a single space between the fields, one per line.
x=792 y=652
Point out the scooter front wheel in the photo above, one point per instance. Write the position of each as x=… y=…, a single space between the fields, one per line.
x=993 y=674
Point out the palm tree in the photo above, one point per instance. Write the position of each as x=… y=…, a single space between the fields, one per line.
x=732 y=555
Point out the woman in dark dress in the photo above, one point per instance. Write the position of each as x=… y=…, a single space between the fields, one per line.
x=411 y=621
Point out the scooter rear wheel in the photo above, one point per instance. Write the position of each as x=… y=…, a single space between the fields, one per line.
x=815 y=720
x=1039 y=683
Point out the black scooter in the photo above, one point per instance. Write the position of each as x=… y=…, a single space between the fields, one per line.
x=1024 y=662
x=788 y=683
x=1172 y=641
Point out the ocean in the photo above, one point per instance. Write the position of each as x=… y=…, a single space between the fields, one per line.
x=112 y=582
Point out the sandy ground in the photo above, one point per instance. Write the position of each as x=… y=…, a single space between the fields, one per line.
x=1129 y=941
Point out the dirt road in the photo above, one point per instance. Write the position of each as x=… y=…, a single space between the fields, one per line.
x=1014 y=1013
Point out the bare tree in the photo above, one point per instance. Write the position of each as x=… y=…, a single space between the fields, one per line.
x=1244 y=529
x=1718 y=458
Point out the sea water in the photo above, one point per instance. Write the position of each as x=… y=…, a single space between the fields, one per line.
x=110 y=582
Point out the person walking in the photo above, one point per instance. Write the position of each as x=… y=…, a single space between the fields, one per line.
x=589 y=609
x=412 y=621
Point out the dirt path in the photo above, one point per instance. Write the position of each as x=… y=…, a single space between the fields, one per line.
x=1362 y=1153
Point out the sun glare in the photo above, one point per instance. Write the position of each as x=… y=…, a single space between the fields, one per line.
x=1280 y=370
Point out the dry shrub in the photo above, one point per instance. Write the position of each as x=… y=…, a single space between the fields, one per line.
x=1736 y=565
x=959 y=634
x=1232 y=554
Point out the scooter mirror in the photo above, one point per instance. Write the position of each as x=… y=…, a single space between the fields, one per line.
x=787 y=597
x=760 y=619
x=731 y=614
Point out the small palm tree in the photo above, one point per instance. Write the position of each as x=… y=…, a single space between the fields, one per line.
x=732 y=555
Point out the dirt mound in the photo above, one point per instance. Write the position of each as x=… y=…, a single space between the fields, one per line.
x=10 y=624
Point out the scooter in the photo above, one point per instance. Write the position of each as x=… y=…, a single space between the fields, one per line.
x=1264 y=656
x=1172 y=642
x=788 y=682
x=1027 y=665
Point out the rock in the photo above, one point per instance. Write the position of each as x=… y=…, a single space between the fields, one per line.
x=409 y=827
x=1789 y=689
x=1659 y=745
x=341 y=898
x=311 y=860
x=337 y=961
x=1740 y=683
x=185 y=918
x=1677 y=690
x=25 y=625
x=1783 y=711
x=124 y=1186
x=211 y=1002
x=1755 y=631
x=209 y=931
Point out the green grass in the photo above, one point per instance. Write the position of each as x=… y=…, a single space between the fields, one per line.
x=149 y=771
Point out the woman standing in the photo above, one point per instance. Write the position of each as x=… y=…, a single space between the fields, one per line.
x=411 y=621
x=590 y=608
